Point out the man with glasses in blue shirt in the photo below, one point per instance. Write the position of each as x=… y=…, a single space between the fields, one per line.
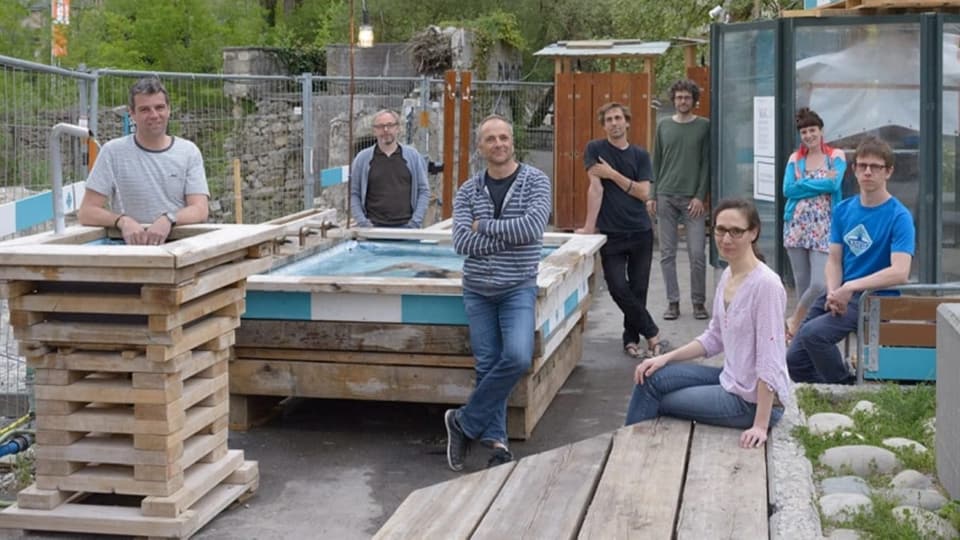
x=388 y=181
x=872 y=243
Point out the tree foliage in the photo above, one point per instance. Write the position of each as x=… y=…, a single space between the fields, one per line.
x=187 y=35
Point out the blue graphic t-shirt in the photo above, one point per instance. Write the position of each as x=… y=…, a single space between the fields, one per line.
x=870 y=234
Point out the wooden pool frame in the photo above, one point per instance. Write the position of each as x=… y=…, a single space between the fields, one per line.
x=400 y=339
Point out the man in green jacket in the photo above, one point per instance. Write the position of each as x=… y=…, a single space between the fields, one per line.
x=681 y=172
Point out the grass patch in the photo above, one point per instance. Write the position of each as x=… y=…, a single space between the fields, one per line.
x=879 y=523
x=900 y=412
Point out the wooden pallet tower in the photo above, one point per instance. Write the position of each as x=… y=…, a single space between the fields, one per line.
x=130 y=346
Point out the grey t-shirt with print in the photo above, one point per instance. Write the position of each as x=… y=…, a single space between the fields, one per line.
x=144 y=184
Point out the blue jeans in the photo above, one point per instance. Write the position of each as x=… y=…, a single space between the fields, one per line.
x=813 y=355
x=692 y=392
x=501 y=336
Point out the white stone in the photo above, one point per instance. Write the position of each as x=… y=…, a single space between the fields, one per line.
x=844 y=534
x=865 y=407
x=928 y=523
x=840 y=506
x=860 y=459
x=900 y=442
x=928 y=499
x=825 y=423
x=930 y=426
x=844 y=484
x=911 y=479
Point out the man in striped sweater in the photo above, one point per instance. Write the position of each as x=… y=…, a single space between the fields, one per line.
x=499 y=217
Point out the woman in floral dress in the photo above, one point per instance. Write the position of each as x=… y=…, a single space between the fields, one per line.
x=812 y=186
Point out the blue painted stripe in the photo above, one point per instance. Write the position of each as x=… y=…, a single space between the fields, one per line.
x=545 y=329
x=905 y=364
x=278 y=305
x=571 y=303
x=34 y=210
x=430 y=309
x=333 y=176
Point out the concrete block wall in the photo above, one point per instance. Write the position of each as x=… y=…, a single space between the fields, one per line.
x=948 y=398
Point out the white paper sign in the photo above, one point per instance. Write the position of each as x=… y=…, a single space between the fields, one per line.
x=764 y=179
x=764 y=127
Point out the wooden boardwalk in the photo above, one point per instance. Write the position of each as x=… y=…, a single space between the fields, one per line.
x=660 y=479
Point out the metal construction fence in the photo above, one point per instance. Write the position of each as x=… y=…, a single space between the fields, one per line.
x=266 y=140
x=263 y=135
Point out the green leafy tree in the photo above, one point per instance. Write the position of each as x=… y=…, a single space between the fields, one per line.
x=178 y=35
x=21 y=35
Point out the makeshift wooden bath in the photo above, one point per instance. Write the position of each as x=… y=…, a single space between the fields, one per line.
x=131 y=345
x=355 y=327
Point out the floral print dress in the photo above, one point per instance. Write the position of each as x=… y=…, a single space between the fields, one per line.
x=810 y=226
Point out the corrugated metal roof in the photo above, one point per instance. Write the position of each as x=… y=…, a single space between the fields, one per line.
x=607 y=48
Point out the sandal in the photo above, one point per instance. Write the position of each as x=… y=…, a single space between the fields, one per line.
x=633 y=350
x=661 y=347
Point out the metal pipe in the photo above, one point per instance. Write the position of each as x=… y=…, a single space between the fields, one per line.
x=55 y=169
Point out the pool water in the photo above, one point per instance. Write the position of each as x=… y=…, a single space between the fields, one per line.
x=106 y=241
x=403 y=258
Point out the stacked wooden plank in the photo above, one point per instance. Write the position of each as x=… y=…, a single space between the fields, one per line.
x=664 y=478
x=131 y=346
x=874 y=7
x=400 y=339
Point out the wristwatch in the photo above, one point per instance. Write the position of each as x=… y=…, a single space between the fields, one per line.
x=171 y=217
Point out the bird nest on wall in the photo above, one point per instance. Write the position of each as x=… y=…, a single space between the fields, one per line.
x=431 y=51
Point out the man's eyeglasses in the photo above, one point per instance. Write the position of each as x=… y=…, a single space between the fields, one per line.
x=735 y=232
x=873 y=167
x=385 y=126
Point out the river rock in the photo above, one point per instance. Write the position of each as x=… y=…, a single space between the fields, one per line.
x=928 y=499
x=840 y=506
x=825 y=423
x=865 y=407
x=900 y=442
x=860 y=459
x=844 y=484
x=911 y=479
x=928 y=523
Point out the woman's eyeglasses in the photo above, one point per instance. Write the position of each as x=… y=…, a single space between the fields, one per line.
x=735 y=232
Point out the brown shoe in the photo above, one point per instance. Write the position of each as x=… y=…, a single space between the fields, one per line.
x=672 y=312
x=700 y=312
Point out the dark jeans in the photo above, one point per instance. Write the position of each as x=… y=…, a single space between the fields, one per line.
x=626 y=259
x=813 y=355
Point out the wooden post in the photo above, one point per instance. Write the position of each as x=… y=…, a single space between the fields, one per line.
x=449 y=118
x=237 y=192
x=466 y=110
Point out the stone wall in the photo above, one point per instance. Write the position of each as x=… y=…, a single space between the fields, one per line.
x=948 y=398
x=269 y=146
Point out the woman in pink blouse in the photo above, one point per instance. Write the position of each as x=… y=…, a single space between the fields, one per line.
x=747 y=326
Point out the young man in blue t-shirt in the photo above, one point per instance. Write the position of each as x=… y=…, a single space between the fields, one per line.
x=872 y=242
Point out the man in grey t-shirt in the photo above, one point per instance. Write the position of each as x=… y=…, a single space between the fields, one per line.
x=150 y=177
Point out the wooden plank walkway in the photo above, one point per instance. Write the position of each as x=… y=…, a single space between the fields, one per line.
x=667 y=478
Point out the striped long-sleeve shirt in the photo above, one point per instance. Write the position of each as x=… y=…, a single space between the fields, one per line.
x=505 y=251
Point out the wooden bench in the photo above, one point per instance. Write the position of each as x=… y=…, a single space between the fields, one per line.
x=897 y=335
x=655 y=479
